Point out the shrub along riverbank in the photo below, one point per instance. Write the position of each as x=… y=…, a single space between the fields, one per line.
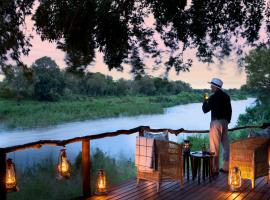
x=31 y=114
x=256 y=115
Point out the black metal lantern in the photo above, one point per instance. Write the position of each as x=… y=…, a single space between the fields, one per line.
x=63 y=167
x=11 y=180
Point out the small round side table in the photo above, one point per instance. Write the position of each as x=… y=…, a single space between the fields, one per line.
x=206 y=160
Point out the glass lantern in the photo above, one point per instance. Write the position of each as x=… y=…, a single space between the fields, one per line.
x=11 y=181
x=187 y=146
x=101 y=184
x=235 y=179
x=205 y=96
x=63 y=167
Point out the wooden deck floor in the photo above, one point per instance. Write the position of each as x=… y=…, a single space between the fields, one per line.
x=217 y=189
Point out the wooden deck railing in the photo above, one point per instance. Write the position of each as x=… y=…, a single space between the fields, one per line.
x=86 y=150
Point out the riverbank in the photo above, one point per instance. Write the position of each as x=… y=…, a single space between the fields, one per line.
x=31 y=114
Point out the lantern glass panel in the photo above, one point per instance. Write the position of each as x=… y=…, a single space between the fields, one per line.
x=101 y=184
x=63 y=165
x=11 y=182
x=235 y=179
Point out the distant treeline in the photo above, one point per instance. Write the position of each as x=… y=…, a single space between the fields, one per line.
x=45 y=81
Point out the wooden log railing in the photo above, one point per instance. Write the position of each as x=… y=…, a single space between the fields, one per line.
x=86 y=163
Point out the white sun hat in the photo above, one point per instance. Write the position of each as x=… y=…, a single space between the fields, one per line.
x=216 y=82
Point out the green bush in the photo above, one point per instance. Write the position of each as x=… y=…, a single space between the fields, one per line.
x=48 y=81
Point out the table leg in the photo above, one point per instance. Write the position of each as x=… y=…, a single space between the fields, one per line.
x=184 y=164
x=203 y=168
x=199 y=170
x=192 y=167
x=211 y=168
x=206 y=167
x=187 y=167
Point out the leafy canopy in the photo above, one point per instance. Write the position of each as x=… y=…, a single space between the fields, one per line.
x=117 y=28
x=258 y=70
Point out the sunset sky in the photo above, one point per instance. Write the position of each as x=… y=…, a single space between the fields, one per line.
x=198 y=76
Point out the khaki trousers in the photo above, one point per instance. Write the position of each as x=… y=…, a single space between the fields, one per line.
x=219 y=133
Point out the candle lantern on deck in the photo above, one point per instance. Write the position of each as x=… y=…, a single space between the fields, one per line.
x=101 y=184
x=187 y=146
x=235 y=179
x=63 y=167
x=11 y=181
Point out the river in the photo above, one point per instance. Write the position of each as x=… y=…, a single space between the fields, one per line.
x=189 y=116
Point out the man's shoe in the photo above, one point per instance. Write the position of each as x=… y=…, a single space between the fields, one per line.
x=223 y=171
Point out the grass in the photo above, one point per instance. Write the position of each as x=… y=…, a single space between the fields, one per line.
x=30 y=114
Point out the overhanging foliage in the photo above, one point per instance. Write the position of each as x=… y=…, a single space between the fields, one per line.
x=117 y=28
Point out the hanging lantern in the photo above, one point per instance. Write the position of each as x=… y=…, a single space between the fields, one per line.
x=187 y=146
x=63 y=167
x=11 y=181
x=235 y=179
x=101 y=184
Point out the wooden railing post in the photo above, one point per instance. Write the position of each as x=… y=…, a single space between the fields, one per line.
x=3 y=193
x=86 y=168
x=141 y=133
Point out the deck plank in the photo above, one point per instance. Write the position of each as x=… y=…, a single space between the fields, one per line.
x=217 y=189
x=249 y=190
x=144 y=186
x=167 y=191
x=258 y=191
x=203 y=190
x=227 y=194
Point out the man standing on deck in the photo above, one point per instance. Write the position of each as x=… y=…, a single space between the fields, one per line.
x=221 y=112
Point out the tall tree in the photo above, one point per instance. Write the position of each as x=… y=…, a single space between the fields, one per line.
x=48 y=81
x=215 y=28
x=258 y=71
